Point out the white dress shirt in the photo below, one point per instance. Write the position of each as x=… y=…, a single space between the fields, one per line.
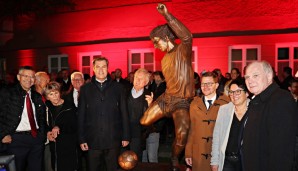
x=24 y=125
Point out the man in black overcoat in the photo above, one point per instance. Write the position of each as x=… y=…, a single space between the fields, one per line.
x=103 y=118
x=268 y=140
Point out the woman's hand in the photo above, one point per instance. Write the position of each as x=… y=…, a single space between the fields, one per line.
x=55 y=131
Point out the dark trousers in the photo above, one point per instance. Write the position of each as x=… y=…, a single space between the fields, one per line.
x=135 y=146
x=99 y=159
x=232 y=165
x=28 y=152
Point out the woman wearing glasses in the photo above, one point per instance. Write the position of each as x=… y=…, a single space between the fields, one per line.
x=225 y=149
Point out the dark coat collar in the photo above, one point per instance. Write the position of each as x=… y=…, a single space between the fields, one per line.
x=21 y=90
x=265 y=95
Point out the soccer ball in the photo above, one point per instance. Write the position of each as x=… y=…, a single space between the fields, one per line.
x=128 y=160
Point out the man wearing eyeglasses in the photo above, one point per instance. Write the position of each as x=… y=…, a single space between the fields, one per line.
x=203 y=114
x=77 y=80
x=22 y=116
x=268 y=138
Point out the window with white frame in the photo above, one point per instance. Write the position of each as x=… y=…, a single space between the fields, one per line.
x=194 y=58
x=242 y=55
x=141 y=58
x=85 y=61
x=57 y=62
x=145 y=58
x=286 y=54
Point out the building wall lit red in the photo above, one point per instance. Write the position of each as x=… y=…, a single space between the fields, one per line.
x=115 y=28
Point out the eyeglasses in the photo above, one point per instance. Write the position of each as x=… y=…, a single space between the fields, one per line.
x=77 y=80
x=207 y=84
x=236 y=92
x=27 y=76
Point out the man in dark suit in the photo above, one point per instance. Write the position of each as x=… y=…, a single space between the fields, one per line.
x=23 y=121
x=103 y=118
x=270 y=127
x=77 y=80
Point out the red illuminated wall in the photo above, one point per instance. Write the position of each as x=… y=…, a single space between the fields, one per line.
x=114 y=27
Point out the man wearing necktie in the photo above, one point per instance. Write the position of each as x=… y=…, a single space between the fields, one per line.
x=203 y=114
x=23 y=121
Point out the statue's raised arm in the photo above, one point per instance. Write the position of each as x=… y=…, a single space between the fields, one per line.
x=180 y=30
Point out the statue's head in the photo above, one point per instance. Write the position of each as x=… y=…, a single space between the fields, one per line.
x=161 y=36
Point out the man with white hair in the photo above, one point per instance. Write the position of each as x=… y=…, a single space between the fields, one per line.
x=137 y=104
x=269 y=128
x=77 y=80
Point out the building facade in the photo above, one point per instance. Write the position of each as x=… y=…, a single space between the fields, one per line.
x=226 y=34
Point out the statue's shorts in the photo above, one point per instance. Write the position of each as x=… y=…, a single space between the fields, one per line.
x=169 y=104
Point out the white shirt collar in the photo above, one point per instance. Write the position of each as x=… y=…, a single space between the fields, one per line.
x=212 y=98
x=101 y=81
x=136 y=94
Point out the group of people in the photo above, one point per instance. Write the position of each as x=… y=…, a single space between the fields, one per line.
x=102 y=112
x=247 y=124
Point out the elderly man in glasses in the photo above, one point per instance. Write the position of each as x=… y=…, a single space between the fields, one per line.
x=77 y=81
x=203 y=114
x=22 y=120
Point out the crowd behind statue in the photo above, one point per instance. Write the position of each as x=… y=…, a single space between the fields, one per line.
x=65 y=104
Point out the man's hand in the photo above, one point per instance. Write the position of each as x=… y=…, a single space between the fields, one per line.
x=162 y=9
x=188 y=161
x=7 y=139
x=149 y=98
x=125 y=143
x=214 y=167
x=84 y=147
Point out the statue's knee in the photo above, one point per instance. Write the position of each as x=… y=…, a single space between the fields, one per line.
x=181 y=139
x=144 y=120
